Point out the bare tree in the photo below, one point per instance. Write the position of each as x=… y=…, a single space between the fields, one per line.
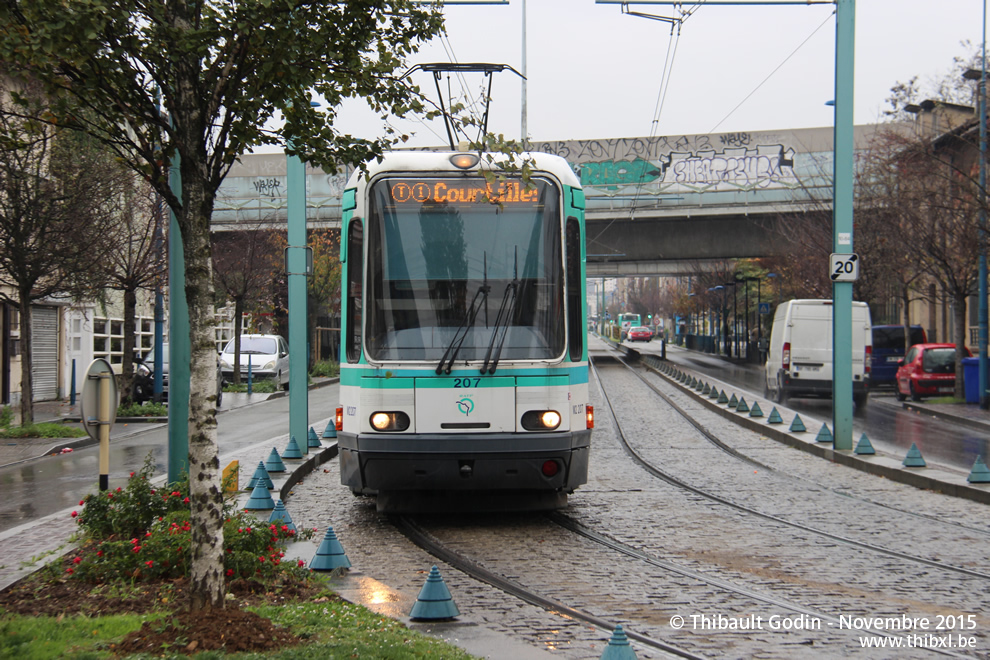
x=53 y=217
x=241 y=271
x=135 y=257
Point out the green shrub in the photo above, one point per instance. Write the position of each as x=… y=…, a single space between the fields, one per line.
x=42 y=430
x=143 y=532
x=263 y=386
x=146 y=409
x=325 y=369
x=6 y=416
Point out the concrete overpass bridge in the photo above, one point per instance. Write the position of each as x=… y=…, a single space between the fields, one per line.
x=655 y=205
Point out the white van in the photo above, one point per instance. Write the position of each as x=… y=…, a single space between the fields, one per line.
x=799 y=361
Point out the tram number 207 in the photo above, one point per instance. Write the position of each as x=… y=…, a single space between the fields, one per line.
x=466 y=382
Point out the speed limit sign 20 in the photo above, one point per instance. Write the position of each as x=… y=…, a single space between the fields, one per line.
x=843 y=267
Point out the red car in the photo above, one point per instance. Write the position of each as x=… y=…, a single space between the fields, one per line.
x=927 y=370
x=640 y=334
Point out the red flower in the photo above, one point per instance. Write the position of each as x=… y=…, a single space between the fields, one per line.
x=261 y=559
x=176 y=493
x=132 y=474
x=74 y=514
x=69 y=570
x=230 y=572
x=134 y=541
x=149 y=564
x=301 y=563
x=77 y=560
x=82 y=502
x=118 y=489
x=99 y=553
x=185 y=501
x=137 y=548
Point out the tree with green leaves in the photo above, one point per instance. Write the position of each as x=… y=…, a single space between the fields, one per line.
x=197 y=83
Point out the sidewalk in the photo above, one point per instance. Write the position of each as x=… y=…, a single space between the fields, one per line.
x=19 y=450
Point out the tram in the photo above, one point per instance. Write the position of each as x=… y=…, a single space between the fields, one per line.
x=464 y=358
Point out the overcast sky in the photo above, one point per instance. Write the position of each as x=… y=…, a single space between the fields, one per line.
x=594 y=72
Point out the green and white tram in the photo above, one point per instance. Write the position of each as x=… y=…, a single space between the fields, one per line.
x=464 y=358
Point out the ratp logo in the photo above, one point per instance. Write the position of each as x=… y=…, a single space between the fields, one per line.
x=465 y=405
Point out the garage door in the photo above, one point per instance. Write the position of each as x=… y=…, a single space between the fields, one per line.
x=44 y=352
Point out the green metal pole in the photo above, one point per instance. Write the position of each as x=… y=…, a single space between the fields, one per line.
x=296 y=265
x=842 y=224
x=180 y=346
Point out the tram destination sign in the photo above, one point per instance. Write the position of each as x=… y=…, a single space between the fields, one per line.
x=454 y=191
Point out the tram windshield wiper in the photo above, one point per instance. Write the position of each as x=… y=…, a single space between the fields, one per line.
x=502 y=322
x=480 y=297
x=504 y=317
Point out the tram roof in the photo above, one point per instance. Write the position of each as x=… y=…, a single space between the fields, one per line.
x=439 y=161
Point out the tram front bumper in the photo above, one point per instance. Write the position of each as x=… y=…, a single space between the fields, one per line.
x=373 y=463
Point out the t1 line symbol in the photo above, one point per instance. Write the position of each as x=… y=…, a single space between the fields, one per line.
x=843 y=267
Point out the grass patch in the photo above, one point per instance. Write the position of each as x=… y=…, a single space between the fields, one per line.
x=43 y=430
x=79 y=637
x=328 y=626
x=946 y=399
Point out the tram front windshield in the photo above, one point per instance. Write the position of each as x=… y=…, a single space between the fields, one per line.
x=447 y=254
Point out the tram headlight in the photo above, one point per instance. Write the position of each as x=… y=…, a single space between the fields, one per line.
x=389 y=421
x=541 y=420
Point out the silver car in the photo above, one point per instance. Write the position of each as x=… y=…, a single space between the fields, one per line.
x=267 y=355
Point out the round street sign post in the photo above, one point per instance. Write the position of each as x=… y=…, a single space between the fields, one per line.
x=99 y=411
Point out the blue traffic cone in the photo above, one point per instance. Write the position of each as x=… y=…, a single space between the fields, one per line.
x=914 y=457
x=618 y=646
x=260 y=499
x=331 y=430
x=260 y=477
x=864 y=446
x=280 y=516
x=311 y=439
x=292 y=450
x=797 y=426
x=775 y=417
x=434 y=601
x=756 y=411
x=274 y=462
x=980 y=474
x=330 y=554
x=824 y=435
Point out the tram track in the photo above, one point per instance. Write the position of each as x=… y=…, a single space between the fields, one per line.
x=426 y=541
x=673 y=480
x=723 y=446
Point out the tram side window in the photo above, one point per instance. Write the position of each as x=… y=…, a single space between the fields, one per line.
x=355 y=263
x=575 y=323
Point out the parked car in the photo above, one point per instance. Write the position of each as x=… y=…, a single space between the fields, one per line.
x=928 y=370
x=889 y=350
x=144 y=378
x=267 y=356
x=640 y=333
x=799 y=360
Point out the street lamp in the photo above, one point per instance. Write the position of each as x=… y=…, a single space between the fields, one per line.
x=735 y=317
x=981 y=75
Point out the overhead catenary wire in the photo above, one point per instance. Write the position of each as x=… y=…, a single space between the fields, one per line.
x=771 y=74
